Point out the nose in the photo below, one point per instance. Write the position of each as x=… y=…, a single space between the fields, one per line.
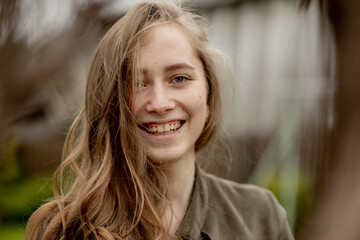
x=160 y=100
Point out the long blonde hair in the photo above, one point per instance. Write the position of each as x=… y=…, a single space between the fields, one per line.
x=106 y=187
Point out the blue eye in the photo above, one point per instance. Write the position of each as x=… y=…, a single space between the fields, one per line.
x=180 y=79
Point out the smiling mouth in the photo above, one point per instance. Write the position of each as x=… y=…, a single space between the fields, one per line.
x=162 y=128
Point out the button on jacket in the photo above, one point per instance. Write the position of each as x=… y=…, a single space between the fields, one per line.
x=220 y=209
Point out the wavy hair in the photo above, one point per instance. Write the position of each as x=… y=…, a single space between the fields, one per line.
x=106 y=187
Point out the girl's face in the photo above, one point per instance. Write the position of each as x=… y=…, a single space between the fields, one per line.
x=170 y=102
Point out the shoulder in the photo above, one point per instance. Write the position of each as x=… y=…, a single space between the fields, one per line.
x=232 y=189
x=247 y=210
x=235 y=193
x=241 y=198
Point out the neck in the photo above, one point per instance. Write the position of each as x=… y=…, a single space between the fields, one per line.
x=180 y=176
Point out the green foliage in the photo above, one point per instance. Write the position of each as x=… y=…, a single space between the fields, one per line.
x=19 y=196
x=304 y=199
x=12 y=232
x=18 y=200
x=9 y=164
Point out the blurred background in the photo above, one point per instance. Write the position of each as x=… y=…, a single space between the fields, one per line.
x=291 y=117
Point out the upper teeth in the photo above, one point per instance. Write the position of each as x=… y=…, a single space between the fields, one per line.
x=164 y=128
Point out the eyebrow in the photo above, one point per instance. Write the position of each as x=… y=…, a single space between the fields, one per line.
x=178 y=66
x=172 y=68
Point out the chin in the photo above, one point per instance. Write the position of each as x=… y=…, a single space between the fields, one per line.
x=175 y=154
x=163 y=159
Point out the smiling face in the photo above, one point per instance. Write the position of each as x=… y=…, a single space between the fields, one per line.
x=170 y=102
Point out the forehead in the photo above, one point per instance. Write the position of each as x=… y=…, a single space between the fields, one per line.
x=164 y=32
x=167 y=43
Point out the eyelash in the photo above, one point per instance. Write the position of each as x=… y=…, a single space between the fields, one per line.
x=140 y=84
x=183 y=77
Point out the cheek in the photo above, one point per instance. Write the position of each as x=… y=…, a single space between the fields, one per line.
x=136 y=105
x=198 y=103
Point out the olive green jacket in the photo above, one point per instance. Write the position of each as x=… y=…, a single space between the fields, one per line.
x=220 y=209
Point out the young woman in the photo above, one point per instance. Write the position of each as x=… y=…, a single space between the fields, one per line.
x=152 y=101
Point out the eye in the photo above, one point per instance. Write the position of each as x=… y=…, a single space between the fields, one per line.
x=141 y=83
x=180 y=79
